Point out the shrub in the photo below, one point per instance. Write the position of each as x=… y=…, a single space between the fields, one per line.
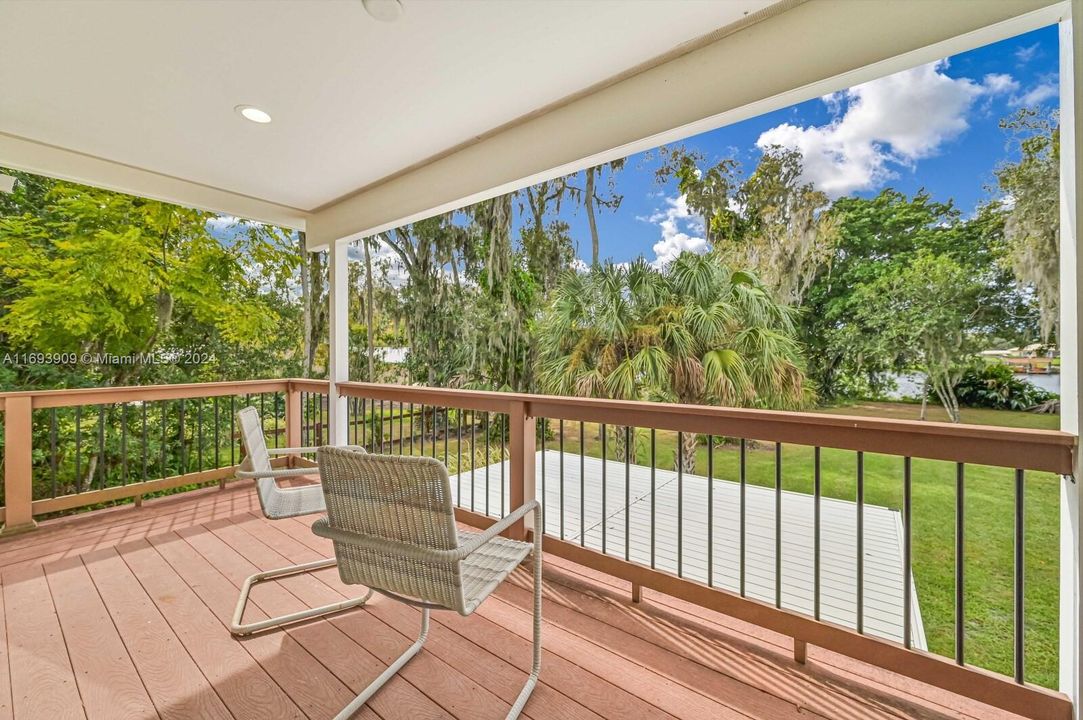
x=995 y=386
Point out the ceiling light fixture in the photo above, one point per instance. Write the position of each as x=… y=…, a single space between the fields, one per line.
x=384 y=10
x=253 y=113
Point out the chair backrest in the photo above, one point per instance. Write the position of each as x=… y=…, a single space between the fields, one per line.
x=256 y=459
x=399 y=499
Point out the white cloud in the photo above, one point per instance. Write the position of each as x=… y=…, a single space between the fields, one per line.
x=677 y=223
x=1027 y=53
x=1000 y=83
x=891 y=121
x=1036 y=95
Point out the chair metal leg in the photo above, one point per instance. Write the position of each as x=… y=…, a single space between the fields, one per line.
x=237 y=628
x=351 y=709
x=535 y=667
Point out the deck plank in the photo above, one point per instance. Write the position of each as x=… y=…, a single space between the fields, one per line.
x=42 y=680
x=108 y=682
x=309 y=684
x=351 y=663
x=245 y=687
x=177 y=686
x=445 y=684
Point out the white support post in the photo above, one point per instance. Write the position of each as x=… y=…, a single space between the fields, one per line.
x=339 y=341
x=1070 y=338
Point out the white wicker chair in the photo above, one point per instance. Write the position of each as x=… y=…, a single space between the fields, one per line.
x=393 y=525
x=278 y=503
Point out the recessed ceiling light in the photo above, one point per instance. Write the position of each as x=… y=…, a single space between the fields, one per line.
x=253 y=113
x=384 y=10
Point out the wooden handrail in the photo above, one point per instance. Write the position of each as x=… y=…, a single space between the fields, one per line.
x=1025 y=449
x=104 y=395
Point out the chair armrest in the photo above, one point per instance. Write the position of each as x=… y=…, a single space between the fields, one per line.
x=501 y=525
x=323 y=528
x=296 y=450
x=291 y=451
x=278 y=473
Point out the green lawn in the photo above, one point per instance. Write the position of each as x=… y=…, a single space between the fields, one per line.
x=989 y=526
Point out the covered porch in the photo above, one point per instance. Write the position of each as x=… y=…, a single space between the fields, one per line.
x=684 y=597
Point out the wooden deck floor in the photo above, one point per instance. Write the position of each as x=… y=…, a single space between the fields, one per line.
x=122 y=614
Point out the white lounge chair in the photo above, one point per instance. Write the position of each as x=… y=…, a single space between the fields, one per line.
x=393 y=525
x=278 y=503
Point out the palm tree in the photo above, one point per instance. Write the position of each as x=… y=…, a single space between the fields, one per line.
x=696 y=332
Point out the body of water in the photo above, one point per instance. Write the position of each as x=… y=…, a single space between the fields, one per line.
x=910 y=385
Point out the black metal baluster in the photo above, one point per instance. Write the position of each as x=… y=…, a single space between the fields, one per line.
x=123 y=444
x=423 y=431
x=79 y=448
x=199 y=431
x=364 y=422
x=435 y=420
x=710 y=510
x=860 y=541
x=180 y=437
x=627 y=491
x=907 y=501
x=582 y=486
x=817 y=489
x=400 y=433
x=487 y=458
x=1020 y=557
x=473 y=450
x=458 y=451
x=274 y=396
x=960 y=578
x=654 y=493
x=778 y=524
x=544 y=497
x=560 y=429
x=233 y=429
x=412 y=433
x=143 y=408
x=101 y=446
x=503 y=454
x=744 y=485
x=605 y=464
x=382 y=423
x=52 y=447
x=161 y=448
x=217 y=434
x=680 y=504
x=446 y=437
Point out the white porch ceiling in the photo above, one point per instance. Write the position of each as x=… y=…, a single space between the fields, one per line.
x=153 y=85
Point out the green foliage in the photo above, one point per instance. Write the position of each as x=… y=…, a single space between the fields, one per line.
x=878 y=239
x=996 y=386
x=1032 y=209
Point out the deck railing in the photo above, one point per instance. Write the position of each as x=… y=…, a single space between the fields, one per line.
x=613 y=507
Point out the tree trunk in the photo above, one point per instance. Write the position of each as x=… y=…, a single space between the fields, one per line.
x=588 y=203
x=688 y=446
x=924 y=396
x=368 y=309
x=620 y=447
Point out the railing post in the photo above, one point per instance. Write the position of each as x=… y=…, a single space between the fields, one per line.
x=18 y=470
x=293 y=418
x=521 y=448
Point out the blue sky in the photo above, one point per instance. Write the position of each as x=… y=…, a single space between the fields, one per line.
x=933 y=127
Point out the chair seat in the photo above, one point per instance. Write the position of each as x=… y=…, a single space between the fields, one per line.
x=291 y=502
x=485 y=569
